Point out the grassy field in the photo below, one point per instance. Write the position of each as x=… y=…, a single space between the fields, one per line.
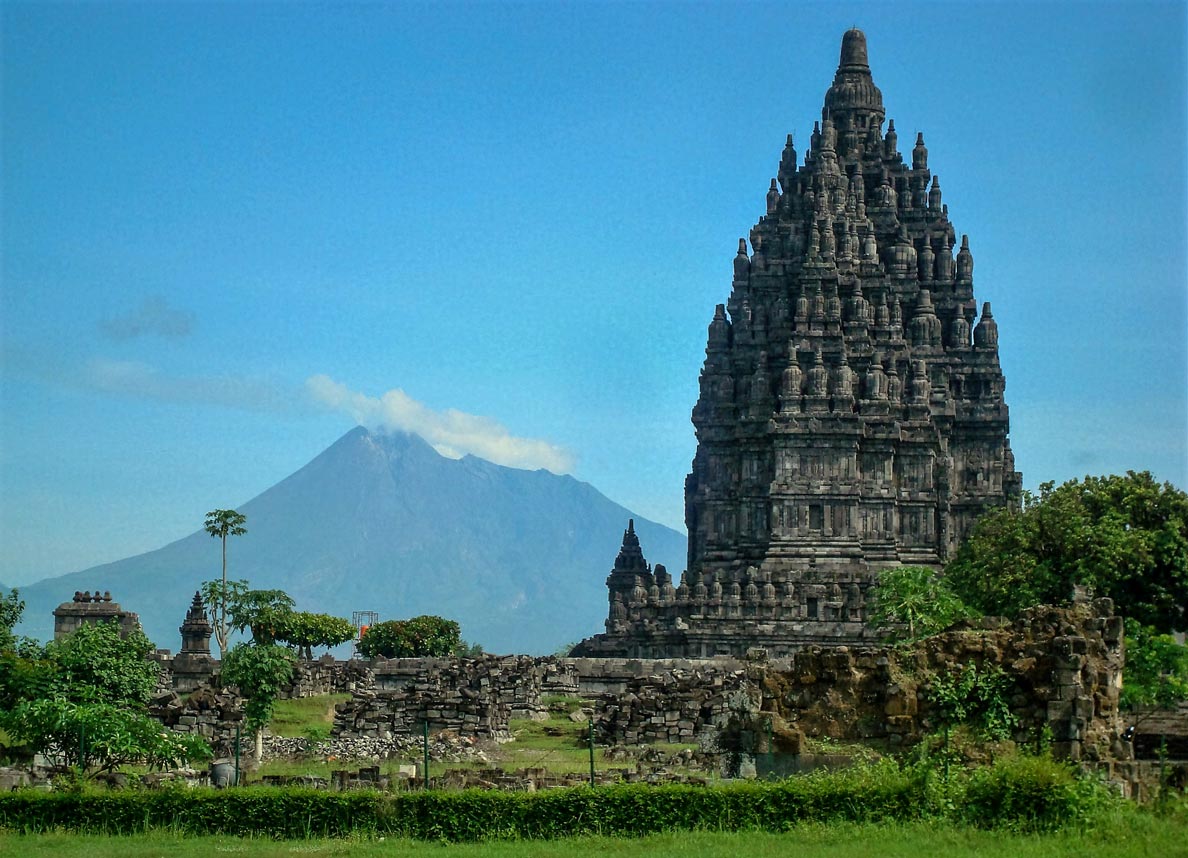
x=298 y=717
x=1132 y=835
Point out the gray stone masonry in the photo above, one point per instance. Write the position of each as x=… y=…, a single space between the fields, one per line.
x=851 y=413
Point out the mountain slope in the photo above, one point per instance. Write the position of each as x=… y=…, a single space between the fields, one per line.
x=383 y=522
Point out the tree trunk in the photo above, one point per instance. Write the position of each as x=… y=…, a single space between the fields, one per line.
x=259 y=746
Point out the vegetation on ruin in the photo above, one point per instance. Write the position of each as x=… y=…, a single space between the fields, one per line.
x=913 y=602
x=975 y=696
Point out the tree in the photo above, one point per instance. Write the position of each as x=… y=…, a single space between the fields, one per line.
x=81 y=700
x=914 y=602
x=260 y=672
x=1156 y=672
x=1126 y=537
x=11 y=608
x=420 y=637
x=262 y=611
x=98 y=664
x=305 y=631
x=221 y=523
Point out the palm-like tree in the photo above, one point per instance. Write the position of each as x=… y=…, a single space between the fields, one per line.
x=221 y=523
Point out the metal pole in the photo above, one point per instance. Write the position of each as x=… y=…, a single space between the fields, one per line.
x=591 y=751
x=426 y=772
x=237 y=755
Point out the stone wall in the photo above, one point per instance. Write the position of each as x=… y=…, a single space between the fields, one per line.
x=213 y=715
x=475 y=697
x=1063 y=664
x=328 y=676
x=677 y=704
x=1064 y=667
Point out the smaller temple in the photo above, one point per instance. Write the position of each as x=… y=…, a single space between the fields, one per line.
x=194 y=665
x=88 y=608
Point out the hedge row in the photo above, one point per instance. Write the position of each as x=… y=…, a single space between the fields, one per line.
x=1042 y=797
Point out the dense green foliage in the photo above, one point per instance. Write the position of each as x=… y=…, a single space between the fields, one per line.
x=96 y=663
x=420 y=637
x=1029 y=795
x=1125 y=537
x=913 y=602
x=305 y=631
x=81 y=701
x=1156 y=671
x=11 y=608
x=100 y=737
x=264 y=612
x=259 y=671
x=92 y=665
x=975 y=697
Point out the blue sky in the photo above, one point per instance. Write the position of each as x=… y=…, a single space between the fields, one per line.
x=230 y=231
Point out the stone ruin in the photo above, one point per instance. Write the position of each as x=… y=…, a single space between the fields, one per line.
x=851 y=414
x=87 y=607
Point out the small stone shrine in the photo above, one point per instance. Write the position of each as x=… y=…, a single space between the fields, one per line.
x=86 y=607
x=194 y=664
x=851 y=415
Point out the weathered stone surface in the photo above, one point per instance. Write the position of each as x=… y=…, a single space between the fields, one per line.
x=851 y=413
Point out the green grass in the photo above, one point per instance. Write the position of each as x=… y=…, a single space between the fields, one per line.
x=295 y=717
x=1128 y=835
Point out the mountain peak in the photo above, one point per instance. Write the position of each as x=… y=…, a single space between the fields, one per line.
x=381 y=521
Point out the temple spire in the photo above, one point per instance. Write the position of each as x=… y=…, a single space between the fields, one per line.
x=854 y=103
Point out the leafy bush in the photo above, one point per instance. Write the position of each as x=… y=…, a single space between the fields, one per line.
x=100 y=736
x=95 y=663
x=259 y=671
x=420 y=637
x=914 y=602
x=1032 y=794
x=977 y=697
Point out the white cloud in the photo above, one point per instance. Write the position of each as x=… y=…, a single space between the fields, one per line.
x=154 y=316
x=452 y=433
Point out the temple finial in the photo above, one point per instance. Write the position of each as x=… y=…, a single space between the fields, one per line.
x=853 y=48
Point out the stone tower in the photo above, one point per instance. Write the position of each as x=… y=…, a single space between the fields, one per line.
x=851 y=412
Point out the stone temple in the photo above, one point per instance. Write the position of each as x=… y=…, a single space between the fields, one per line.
x=851 y=415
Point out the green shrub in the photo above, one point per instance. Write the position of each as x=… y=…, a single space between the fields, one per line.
x=1033 y=794
x=420 y=637
x=1025 y=794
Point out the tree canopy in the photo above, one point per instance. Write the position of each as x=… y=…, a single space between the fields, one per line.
x=1126 y=537
x=420 y=637
x=259 y=671
x=81 y=699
